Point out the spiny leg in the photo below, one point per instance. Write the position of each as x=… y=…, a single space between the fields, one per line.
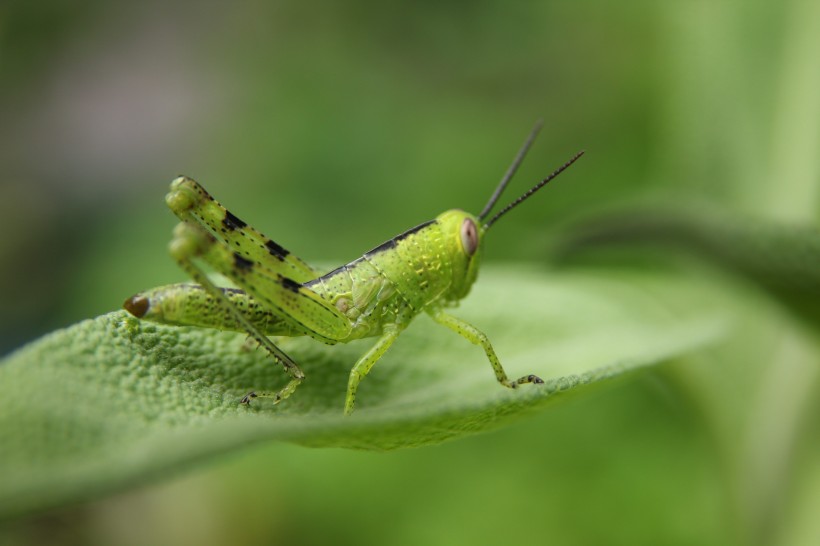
x=365 y=363
x=187 y=244
x=191 y=203
x=477 y=337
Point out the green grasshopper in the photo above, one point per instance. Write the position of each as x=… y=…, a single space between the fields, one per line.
x=427 y=268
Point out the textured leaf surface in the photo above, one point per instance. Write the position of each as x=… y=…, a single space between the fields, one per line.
x=113 y=401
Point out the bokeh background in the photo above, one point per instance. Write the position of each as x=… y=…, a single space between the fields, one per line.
x=333 y=126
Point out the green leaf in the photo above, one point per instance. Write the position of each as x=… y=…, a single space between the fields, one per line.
x=114 y=401
x=783 y=259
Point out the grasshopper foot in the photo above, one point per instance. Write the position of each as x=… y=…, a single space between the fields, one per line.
x=528 y=379
x=277 y=397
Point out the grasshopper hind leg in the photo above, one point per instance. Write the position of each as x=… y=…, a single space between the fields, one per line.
x=189 y=242
x=192 y=204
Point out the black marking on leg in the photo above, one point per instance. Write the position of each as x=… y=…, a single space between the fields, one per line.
x=232 y=222
x=276 y=250
x=242 y=264
x=290 y=284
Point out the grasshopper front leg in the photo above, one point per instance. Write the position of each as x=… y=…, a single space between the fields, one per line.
x=477 y=337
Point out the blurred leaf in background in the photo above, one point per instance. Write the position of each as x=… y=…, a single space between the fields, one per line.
x=333 y=126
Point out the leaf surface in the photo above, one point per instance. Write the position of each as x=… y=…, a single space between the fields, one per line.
x=114 y=401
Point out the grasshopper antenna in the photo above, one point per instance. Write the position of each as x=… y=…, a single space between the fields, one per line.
x=533 y=189
x=511 y=170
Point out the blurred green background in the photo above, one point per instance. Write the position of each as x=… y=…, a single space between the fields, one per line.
x=332 y=126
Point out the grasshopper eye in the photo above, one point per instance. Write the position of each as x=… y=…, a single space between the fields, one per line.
x=469 y=237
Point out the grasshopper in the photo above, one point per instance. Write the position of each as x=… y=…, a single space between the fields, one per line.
x=427 y=268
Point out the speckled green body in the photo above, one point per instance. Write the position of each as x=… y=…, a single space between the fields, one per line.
x=425 y=269
x=420 y=270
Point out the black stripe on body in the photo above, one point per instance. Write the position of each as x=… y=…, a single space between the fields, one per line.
x=387 y=245
x=391 y=243
x=231 y=222
x=330 y=274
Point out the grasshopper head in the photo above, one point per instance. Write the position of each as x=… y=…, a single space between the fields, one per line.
x=462 y=233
